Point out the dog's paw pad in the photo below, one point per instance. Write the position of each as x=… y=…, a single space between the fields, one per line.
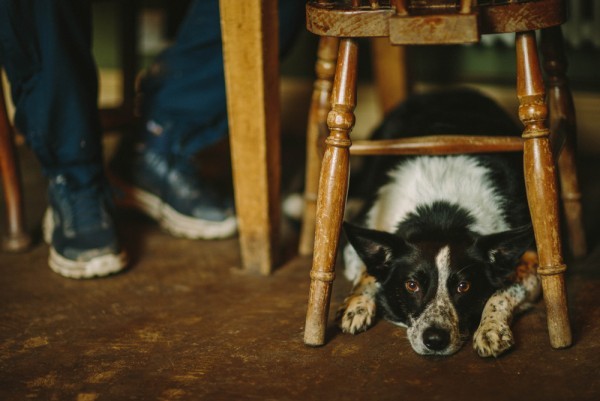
x=357 y=314
x=492 y=339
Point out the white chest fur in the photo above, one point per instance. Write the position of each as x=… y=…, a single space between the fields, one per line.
x=423 y=180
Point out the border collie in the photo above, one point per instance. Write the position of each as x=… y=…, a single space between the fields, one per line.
x=442 y=246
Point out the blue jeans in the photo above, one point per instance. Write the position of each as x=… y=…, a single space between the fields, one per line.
x=45 y=51
x=184 y=92
x=45 y=48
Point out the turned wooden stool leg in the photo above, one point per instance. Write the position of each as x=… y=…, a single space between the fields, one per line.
x=333 y=187
x=540 y=180
x=317 y=120
x=16 y=238
x=562 y=121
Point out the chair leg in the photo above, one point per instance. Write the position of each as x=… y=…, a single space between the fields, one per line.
x=540 y=180
x=562 y=121
x=333 y=187
x=391 y=73
x=315 y=133
x=16 y=238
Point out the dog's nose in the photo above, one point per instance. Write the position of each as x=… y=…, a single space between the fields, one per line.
x=436 y=339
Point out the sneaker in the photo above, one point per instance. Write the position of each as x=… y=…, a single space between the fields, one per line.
x=174 y=195
x=79 y=227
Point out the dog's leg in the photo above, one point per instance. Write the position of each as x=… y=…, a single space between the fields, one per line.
x=357 y=313
x=494 y=336
x=358 y=310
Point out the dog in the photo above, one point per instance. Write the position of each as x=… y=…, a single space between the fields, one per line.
x=443 y=245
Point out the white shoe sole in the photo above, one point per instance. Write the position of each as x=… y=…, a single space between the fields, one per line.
x=99 y=266
x=171 y=220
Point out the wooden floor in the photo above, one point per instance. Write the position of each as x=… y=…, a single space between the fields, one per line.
x=185 y=323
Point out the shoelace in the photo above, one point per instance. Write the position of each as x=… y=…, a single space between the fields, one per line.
x=87 y=210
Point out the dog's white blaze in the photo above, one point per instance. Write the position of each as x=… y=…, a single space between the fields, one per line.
x=442 y=298
x=442 y=262
x=424 y=180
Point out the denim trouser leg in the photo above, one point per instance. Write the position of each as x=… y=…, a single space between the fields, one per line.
x=45 y=48
x=184 y=93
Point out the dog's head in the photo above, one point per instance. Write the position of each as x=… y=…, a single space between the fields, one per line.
x=438 y=288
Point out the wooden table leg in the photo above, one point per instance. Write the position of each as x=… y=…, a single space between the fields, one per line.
x=541 y=184
x=250 y=50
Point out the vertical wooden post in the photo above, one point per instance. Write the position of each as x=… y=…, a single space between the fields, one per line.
x=317 y=120
x=250 y=51
x=540 y=180
x=562 y=121
x=16 y=238
x=333 y=187
x=391 y=73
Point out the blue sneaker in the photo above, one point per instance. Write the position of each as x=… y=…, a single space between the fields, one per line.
x=174 y=194
x=79 y=227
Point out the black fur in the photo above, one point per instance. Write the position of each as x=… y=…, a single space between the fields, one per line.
x=481 y=263
x=485 y=262
x=451 y=112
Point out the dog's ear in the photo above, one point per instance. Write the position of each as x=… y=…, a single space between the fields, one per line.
x=502 y=251
x=375 y=248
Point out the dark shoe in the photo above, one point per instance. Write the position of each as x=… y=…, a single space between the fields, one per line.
x=79 y=227
x=173 y=194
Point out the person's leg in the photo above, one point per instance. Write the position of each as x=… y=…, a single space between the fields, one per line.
x=46 y=55
x=184 y=92
x=45 y=50
x=185 y=111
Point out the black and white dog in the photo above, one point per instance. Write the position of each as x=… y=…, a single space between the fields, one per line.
x=441 y=246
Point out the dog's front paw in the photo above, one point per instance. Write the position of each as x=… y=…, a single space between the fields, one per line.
x=356 y=314
x=492 y=338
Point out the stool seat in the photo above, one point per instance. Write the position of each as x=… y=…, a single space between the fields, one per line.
x=338 y=19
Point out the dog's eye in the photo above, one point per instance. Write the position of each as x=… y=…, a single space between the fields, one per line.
x=412 y=286
x=463 y=287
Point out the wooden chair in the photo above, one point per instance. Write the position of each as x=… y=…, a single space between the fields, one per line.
x=418 y=22
x=16 y=237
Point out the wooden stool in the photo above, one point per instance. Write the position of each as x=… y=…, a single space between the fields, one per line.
x=404 y=22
